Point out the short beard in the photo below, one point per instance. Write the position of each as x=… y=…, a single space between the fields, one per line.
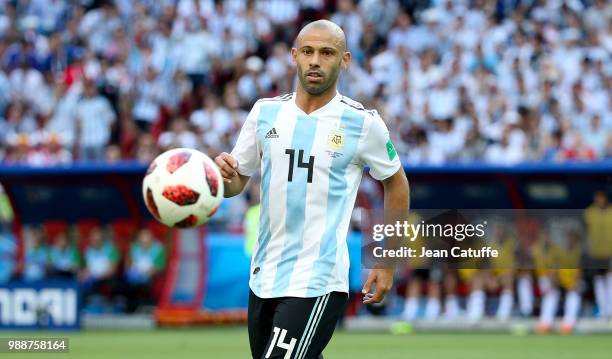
x=318 y=90
x=314 y=90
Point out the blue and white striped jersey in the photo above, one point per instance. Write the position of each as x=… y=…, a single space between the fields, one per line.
x=311 y=166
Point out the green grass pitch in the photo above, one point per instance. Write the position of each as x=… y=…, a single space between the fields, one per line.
x=232 y=343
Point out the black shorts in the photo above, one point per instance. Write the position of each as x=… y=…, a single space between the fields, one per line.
x=293 y=328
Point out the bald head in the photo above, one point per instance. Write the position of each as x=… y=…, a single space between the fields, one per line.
x=334 y=32
x=320 y=54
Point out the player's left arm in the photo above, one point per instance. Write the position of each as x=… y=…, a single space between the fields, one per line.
x=379 y=154
x=396 y=204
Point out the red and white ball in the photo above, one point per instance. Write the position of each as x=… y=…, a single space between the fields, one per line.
x=182 y=188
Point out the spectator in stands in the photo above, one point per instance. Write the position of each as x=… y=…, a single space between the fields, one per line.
x=178 y=136
x=577 y=149
x=113 y=154
x=349 y=20
x=20 y=119
x=422 y=152
x=474 y=147
x=61 y=121
x=254 y=82
x=198 y=50
x=49 y=152
x=5 y=92
x=101 y=264
x=64 y=257
x=608 y=149
x=27 y=83
x=145 y=261
x=552 y=147
x=17 y=149
x=94 y=118
x=36 y=256
x=211 y=120
x=506 y=151
x=595 y=136
x=149 y=98
x=146 y=149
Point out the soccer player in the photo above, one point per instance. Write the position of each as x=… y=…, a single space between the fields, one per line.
x=312 y=146
x=423 y=271
x=598 y=219
x=502 y=274
x=558 y=263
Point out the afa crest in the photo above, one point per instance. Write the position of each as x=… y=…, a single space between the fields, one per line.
x=335 y=139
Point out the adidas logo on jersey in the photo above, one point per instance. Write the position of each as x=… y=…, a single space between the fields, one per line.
x=272 y=133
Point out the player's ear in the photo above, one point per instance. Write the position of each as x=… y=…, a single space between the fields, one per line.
x=294 y=55
x=346 y=60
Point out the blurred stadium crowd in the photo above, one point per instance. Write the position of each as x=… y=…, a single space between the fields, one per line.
x=496 y=81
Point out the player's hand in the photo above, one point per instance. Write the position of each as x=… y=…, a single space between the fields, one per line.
x=227 y=165
x=382 y=279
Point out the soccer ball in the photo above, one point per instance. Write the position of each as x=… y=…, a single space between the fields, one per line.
x=182 y=188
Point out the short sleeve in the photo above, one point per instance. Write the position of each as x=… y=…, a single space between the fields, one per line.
x=378 y=152
x=246 y=150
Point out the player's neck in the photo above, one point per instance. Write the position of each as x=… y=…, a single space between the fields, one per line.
x=309 y=103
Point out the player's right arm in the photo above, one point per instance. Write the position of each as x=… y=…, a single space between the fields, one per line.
x=234 y=182
x=237 y=167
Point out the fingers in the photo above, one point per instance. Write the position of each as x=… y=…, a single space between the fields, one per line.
x=368 y=284
x=230 y=159
x=382 y=288
x=376 y=297
x=227 y=166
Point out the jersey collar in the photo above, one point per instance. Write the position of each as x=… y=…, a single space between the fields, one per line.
x=334 y=101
